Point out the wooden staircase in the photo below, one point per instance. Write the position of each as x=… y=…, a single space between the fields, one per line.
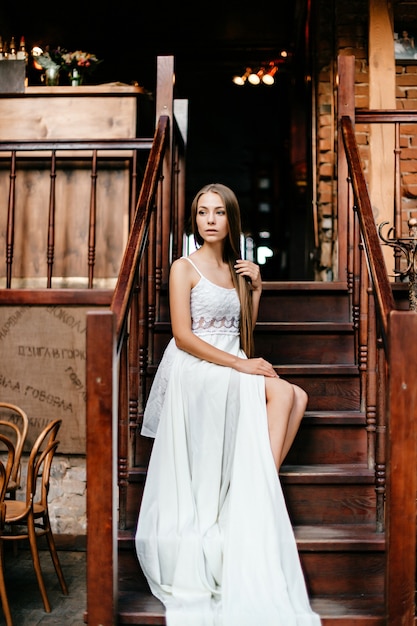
x=305 y=329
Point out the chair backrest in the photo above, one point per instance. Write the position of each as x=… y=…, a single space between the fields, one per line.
x=39 y=463
x=7 y=452
x=14 y=424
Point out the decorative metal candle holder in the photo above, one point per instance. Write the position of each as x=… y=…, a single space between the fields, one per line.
x=407 y=246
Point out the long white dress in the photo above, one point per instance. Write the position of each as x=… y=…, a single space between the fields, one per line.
x=214 y=538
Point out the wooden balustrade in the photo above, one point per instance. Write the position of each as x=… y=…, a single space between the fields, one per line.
x=386 y=354
x=57 y=152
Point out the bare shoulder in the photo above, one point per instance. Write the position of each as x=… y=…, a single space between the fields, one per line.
x=180 y=265
x=183 y=271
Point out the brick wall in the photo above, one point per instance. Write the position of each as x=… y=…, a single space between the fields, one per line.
x=342 y=28
x=67 y=495
x=406 y=97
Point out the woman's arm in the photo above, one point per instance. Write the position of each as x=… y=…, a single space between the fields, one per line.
x=181 y=281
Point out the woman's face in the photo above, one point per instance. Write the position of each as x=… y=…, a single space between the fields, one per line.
x=211 y=218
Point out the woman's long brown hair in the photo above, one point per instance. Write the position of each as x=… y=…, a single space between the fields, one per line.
x=231 y=252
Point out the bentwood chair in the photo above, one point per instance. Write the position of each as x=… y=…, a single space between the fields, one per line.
x=6 y=467
x=28 y=519
x=14 y=424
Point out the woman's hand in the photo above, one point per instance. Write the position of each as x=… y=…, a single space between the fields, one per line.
x=256 y=366
x=251 y=271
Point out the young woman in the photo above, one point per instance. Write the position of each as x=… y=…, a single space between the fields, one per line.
x=214 y=538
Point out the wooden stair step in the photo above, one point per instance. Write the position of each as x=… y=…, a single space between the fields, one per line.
x=318 y=369
x=304 y=301
x=301 y=342
x=322 y=418
x=334 y=437
x=329 y=494
x=138 y=606
x=329 y=386
x=344 y=328
x=141 y=609
x=342 y=573
x=357 y=610
x=327 y=473
x=346 y=537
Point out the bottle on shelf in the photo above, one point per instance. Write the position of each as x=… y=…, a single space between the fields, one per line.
x=12 y=49
x=1 y=49
x=21 y=54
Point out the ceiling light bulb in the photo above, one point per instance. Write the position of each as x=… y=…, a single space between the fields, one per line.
x=254 y=79
x=241 y=80
x=268 y=78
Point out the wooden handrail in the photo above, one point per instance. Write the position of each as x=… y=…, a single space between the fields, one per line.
x=76 y=144
x=385 y=116
x=137 y=238
x=381 y=285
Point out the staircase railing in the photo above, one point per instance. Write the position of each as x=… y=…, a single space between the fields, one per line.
x=119 y=343
x=388 y=361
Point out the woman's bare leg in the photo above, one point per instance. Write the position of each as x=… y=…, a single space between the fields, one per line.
x=285 y=407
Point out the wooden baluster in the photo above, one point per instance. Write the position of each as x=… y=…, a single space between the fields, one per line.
x=180 y=183
x=158 y=249
x=355 y=254
x=122 y=439
x=135 y=316
x=371 y=381
x=92 y=221
x=346 y=106
x=381 y=436
x=363 y=330
x=133 y=185
x=137 y=348
x=10 y=220
x=397 y=198
x=177 y=229
x=150 y=301
x=51 y=221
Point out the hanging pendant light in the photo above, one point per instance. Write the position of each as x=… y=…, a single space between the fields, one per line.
x=268 y=77
x=241 y=80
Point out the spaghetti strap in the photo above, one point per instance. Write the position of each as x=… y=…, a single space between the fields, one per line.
x=193 y=264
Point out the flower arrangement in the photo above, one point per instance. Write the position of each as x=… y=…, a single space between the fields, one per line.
x=84 y=61
x=78 y=62
x=46 y=60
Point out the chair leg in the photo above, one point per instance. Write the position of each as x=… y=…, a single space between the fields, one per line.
x=3 y=591
x=36 y=562
x=54 y=554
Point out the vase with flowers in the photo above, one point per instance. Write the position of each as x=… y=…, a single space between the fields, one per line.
x=77 y=65
x=49 y=62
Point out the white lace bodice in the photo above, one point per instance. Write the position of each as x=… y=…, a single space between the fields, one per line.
x=215 y=313
x=214 y=309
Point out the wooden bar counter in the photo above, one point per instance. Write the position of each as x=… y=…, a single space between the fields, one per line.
x=90 y=112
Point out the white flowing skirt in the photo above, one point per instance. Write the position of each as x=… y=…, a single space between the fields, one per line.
x=214 y=538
